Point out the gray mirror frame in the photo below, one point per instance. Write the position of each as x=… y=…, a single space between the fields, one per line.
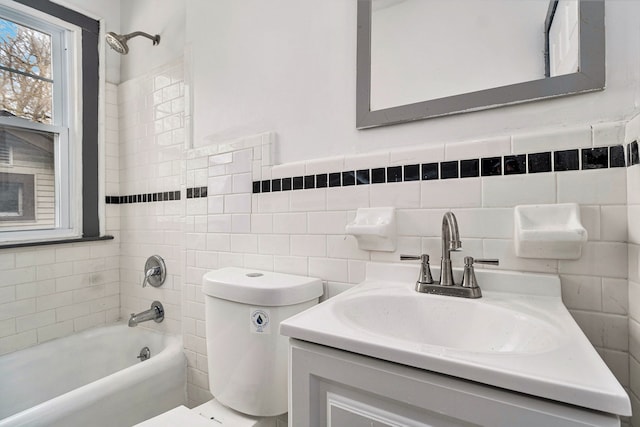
x=591 y=77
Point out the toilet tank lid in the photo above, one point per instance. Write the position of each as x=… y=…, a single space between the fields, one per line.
x=257 y=287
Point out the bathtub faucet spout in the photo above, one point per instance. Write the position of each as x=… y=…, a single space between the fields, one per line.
x=156 y=313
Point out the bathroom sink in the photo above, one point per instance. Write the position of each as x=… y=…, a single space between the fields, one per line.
x=461 y=324
x=519 y=336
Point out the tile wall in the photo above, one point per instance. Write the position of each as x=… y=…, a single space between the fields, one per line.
x=633 y=212
x=150 y=202
x=301 y=231
x=52 y=291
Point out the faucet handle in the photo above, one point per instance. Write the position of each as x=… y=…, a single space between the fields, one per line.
x=425 y=269
x=469 y=276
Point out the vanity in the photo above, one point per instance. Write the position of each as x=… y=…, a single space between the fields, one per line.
x=382 y=354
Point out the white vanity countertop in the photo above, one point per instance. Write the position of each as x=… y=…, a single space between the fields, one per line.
x=519 y=336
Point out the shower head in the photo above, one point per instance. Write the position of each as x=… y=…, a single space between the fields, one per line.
x=118 y=42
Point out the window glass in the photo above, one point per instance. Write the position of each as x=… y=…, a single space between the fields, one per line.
x=25 y=72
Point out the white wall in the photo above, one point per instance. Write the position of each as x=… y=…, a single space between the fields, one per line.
x=289 y=66
x=163 y=17
x=109 y=12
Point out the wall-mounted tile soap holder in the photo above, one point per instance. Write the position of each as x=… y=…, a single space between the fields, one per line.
x=374 y=229
x=549 y=231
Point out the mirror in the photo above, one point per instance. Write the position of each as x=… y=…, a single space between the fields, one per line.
x=473 y=55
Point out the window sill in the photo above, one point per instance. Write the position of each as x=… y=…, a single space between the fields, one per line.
x=54 y=242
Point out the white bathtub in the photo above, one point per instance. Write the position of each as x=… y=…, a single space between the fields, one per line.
x=92 y=379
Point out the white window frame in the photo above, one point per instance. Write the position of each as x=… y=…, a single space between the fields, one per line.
x=66 y=41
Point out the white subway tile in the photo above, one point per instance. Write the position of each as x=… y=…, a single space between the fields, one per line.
x=366 y=161
x=291 y=265
x=215 y=204
x=327 y=222
x=345 y=247
x=510 y=191
x=244 y=243
x=17 y=342
x=217 y=224
x=8 y=294
x=415 y=155
x=493 y=223
x=420 y=222
x=593 y=187
x=56 y=330
x=261 y=223
x=611 y=133
x=259 y=262
x=357 y=270
x=309 y=200
x=398 y=194
x=288 y=170
x=405 y=245
x=598 y=259
x=451 y=193
x=618 y=363
x=218 y=242
x=590 y=218
x=290 y=223
x=559 y=139
x=18 y=276
x=329 y=269
x=345 y=198
x=324 y=165
x=498 y=146
x=504 y=251
x=237 y=203
x=17 y=308
x=615 y=296
x=582 y=292
x=305 y=245
x=614 y=223
x=273 y=244
x=220 y=185
x=273 y=202
x=241 y=223
x=242 y=183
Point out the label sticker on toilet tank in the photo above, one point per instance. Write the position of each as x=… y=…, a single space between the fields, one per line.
x=260 y=321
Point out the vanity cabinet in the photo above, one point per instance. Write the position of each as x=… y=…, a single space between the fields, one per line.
x=336 y=388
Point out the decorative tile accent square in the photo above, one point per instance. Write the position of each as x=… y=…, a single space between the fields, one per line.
x=309 y=181
x=595 y=158
x=540 y=162
x=449 y=170
x=429 y=171
x=394 y=174
x=348 y=178
x=378 y=175
x=491 y=166
x=514 y=165
x=322 y=180
x=362 y=176
x=469 y=168
x=276 y=185
x=286 y=184
x=566 y=160
x=335 y=180
x=298 y=183
x=412 y=172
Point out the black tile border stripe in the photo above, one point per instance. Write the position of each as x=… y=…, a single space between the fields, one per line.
x=575 y=159
x=163 y=196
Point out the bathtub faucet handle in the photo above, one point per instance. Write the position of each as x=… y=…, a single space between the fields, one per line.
x=155 y=271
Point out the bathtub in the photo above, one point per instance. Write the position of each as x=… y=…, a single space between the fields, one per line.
x=93 y=378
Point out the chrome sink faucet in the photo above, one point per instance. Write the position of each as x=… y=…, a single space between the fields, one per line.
x=450 y=242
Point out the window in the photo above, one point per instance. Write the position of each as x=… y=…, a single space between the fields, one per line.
x=48 y=122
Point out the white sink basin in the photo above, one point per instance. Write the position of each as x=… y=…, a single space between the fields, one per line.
x=453 y=323
x=518 y=336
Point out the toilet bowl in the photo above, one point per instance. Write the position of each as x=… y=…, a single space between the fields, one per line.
x=246 y=355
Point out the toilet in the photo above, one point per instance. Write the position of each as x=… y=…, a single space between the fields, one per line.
x=247 y=356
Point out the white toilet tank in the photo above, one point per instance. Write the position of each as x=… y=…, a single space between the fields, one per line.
x=247 y=356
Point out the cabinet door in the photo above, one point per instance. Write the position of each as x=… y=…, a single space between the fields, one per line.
x=345 y=412
x=333 y=388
